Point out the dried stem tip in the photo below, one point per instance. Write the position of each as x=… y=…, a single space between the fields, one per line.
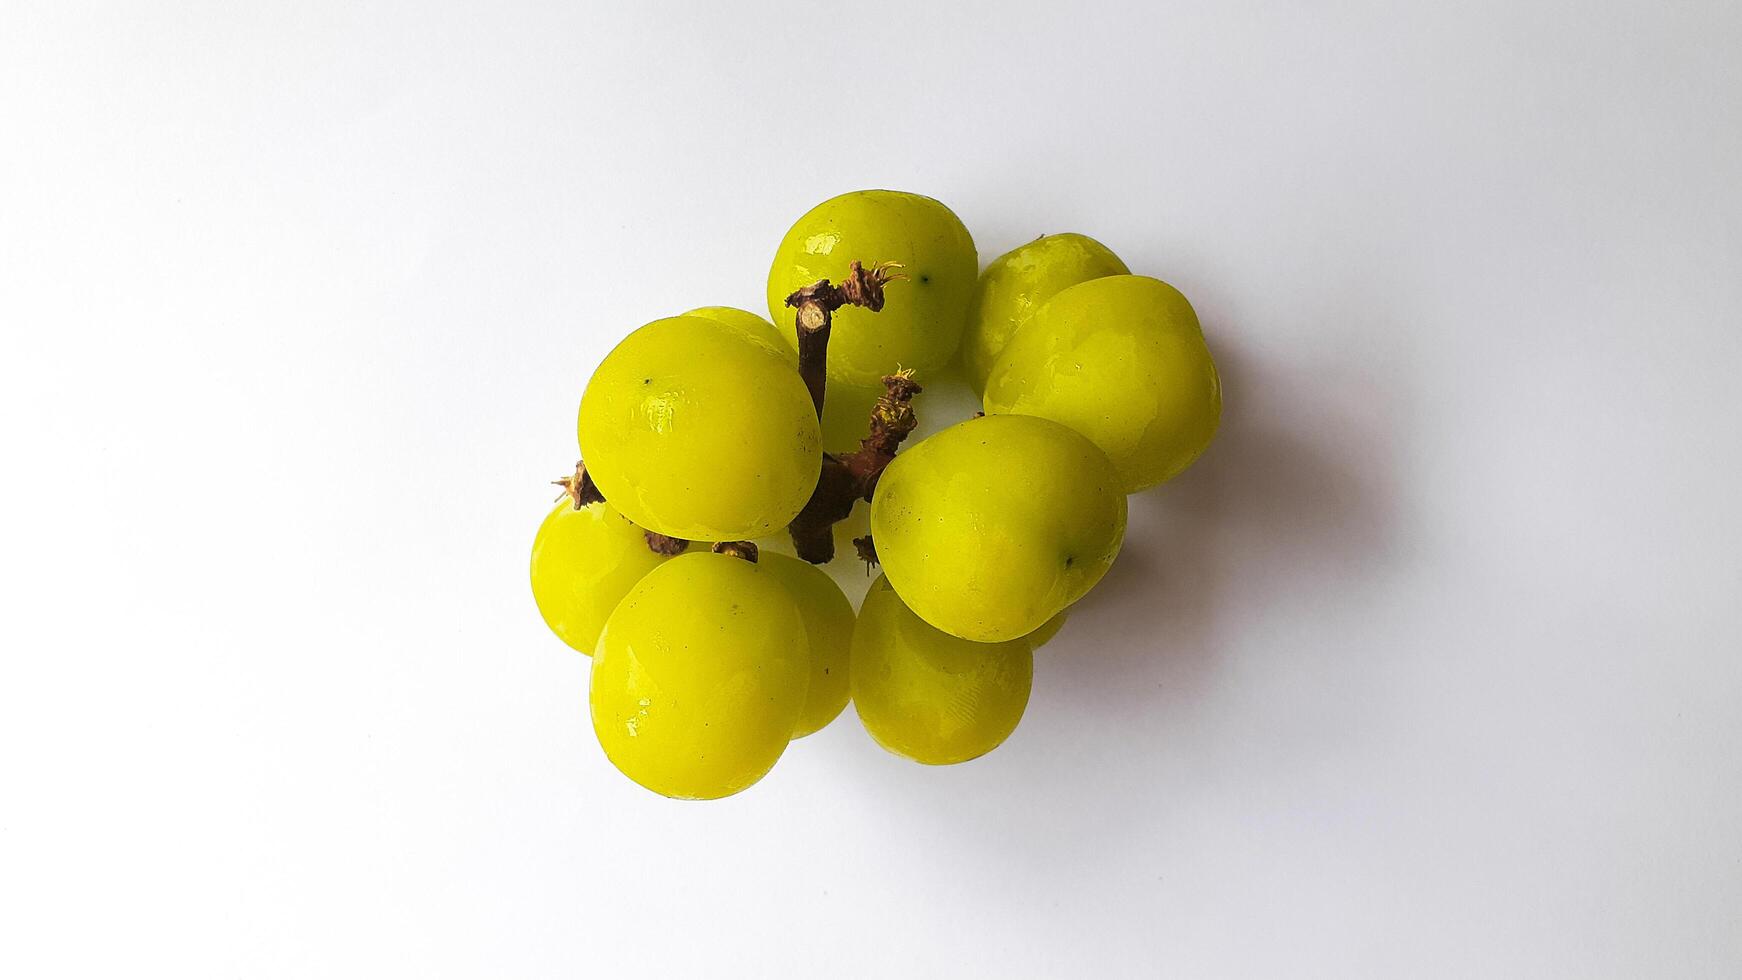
x=579 y=487
x=862 y=287
x=867 y=550
x=816 y=304
x=661 y=544
x=746 y=550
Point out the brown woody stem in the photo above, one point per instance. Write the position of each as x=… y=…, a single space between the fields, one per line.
x=839 y=483
x=813 y=359
x=853 y=477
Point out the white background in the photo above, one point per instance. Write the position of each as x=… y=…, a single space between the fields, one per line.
x=1429 y=668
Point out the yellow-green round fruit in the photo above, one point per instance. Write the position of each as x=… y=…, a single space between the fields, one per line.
x=1123 y=361
x=920 y=325
x=929 y=696
x=695 y=432
x=993 y=526
x=828 y=625
x=1017 y=283
x=583 y=562
x=700 y=677
x=751 y=326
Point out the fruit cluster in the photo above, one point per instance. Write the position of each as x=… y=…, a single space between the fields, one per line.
x=716 y=427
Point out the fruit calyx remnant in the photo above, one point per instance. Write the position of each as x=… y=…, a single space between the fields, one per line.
x=816 y=305
x=661 y=544
x=853 y=477
x=746 y=550
x=867 y=550
x=580 y=487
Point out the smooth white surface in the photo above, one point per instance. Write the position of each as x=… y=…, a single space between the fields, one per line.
x=1430 y=668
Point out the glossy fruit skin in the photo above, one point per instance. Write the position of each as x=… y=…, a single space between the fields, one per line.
x=694 y=432
x=1017 y=283
x=1123 y=361
x=752 y=327
x=993 y=526
x=700 y=677
x=583 y=562
x=920 y=325
x=828 y=626
x=929 y=696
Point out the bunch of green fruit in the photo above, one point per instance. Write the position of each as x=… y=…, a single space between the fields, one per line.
x=702 y=433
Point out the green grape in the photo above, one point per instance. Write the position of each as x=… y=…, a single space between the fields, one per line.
x=929 y=696
x=994 y=525
x=753 y=327
x=583 y=562
x=700 y=677
x=1123 y=361
x=1017 y=283
x=1041 y=637
x=695 y=433
x=921 y=323
x=828 y=626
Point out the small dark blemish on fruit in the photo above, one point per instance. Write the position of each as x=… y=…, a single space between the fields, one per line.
x=924 y=279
